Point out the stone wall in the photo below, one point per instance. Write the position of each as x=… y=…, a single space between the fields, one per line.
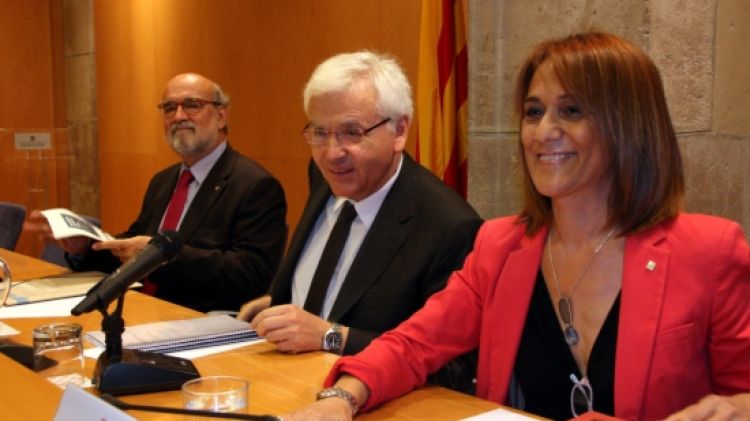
x=80 y=89
x=700 y=46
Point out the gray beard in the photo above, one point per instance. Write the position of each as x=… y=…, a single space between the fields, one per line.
x=188 y=146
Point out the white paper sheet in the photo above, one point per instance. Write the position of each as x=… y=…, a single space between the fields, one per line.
x=52 y=308
x=499 y=414
x=6 y=330
x=79 y=405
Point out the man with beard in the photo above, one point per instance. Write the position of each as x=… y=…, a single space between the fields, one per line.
x=230 y=211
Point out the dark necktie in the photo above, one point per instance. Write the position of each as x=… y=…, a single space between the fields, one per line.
x=329 y=259
x=172 y=217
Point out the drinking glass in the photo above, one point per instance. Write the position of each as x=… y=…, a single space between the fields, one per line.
x=216 y=393
x=58 y=353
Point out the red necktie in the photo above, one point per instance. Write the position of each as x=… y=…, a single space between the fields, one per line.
x=172 y=217
x=177 y=203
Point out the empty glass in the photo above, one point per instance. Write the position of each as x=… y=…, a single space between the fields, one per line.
x=216 y=393
x=58 y=353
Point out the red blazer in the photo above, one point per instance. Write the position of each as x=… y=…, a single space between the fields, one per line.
x=684 y=327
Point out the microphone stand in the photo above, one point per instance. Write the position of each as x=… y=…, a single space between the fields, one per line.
x=128 y=371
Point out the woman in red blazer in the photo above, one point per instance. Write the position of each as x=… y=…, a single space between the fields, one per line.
x=601 y=294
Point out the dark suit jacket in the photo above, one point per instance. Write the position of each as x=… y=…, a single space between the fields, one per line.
x=235 y=232
x=421 y=234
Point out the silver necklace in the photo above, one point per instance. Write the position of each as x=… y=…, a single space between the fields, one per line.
x=564 y=304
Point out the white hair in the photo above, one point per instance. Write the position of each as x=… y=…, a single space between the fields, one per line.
x=340 y=72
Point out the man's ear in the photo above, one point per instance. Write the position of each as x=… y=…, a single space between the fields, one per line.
x=402 y=127
x=223 y=116
x=402 y=132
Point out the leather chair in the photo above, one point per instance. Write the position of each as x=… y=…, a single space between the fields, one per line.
x=11 y=224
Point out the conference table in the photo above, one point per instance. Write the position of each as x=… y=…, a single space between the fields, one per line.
x=279 y=382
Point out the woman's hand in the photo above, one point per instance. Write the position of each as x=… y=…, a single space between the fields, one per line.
x=331 y=409
x=716 y=408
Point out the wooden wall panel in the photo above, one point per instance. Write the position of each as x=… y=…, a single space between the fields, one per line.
x=32 y=100
x=261 y=52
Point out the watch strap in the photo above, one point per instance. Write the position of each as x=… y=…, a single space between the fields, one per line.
x=337 y=392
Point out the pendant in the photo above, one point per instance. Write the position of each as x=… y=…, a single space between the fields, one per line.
x=571 y=335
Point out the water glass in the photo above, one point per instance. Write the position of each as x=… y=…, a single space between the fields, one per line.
x=216 y=393
x=58 y=353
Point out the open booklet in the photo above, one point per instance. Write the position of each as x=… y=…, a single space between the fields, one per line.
x=181 y=335
x=66 y=223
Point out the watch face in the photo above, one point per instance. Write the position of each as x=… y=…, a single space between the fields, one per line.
x=333 y=340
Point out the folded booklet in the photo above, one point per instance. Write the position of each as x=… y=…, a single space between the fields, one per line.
x=65 y=223
x=181 y=335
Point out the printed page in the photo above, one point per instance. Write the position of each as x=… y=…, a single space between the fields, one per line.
x=65 y=223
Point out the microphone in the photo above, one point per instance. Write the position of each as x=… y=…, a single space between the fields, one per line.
x=162 y=249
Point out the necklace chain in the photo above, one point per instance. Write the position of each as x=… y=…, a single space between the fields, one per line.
x=564 y=303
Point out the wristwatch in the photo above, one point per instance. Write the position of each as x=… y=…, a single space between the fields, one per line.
x=337 y=392
x=333 y=339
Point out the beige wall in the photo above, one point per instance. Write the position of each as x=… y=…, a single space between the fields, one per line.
x=261 y=52
x=700 y=47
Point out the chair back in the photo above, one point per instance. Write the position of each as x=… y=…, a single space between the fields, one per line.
x=11 y=224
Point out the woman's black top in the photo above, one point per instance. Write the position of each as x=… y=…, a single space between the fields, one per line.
x=544 y=361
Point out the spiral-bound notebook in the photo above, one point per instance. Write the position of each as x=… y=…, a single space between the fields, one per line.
x=181 y=335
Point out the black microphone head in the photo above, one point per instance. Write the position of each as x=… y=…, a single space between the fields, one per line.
x=169 y=242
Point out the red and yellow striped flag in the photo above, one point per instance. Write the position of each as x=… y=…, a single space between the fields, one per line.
x=442 y=92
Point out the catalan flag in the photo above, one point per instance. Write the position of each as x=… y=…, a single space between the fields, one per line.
x=442 y=92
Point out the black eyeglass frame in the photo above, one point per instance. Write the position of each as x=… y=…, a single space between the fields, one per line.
x=163 y=107
x=336 y=133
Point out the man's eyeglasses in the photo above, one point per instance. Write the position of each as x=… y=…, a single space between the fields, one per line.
x=346 y=135
x=191 y=106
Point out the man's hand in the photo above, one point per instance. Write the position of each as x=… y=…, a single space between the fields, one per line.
x=716 y=408
x=38 y=225
x=291 y=328
x=251 y=308
x=124 y=249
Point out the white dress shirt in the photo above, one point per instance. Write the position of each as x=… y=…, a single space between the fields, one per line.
x=367 y=209
x=200 y=171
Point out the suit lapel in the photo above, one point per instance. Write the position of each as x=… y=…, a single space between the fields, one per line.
x=210 y=190
x=388 y=232
x=281 y=289
x=644 y=275
x=161 y=200
x=510 y=302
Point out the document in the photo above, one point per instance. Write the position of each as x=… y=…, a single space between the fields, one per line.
x=53 y=288
x=65 y=223
x=79 y=405
x=180 y=335
x=500 y=414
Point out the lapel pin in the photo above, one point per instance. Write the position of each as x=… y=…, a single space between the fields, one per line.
x=216 y=188
x=651 y=265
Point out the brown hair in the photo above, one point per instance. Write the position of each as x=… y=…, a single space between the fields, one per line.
x=620 y=90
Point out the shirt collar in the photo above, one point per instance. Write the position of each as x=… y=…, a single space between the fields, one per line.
x=201 y=168
x=367 y=208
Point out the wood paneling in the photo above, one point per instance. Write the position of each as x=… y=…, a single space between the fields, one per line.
x=261 y=52
x=32 y=100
